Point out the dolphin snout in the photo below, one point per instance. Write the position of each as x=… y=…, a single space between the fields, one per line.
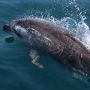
x=6 y=28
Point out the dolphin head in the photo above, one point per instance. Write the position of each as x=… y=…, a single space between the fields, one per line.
x=15 y=28
x=22 y=30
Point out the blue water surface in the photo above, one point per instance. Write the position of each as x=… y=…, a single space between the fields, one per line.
x=16 y=70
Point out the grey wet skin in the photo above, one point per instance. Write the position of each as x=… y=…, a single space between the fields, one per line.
x=55 y=40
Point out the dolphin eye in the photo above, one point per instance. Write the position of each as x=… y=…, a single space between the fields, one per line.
x=17 y=33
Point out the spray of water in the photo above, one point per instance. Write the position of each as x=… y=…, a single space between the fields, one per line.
x=75 y=22
x=78 y=25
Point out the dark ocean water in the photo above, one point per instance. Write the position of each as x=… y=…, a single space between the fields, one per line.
x=16 y=70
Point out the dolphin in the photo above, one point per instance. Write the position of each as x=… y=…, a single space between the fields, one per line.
x=53 y=39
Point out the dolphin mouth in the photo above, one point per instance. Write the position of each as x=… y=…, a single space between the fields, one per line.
x=6 y=28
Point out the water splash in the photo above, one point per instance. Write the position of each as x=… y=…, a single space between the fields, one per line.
x=75 y=22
